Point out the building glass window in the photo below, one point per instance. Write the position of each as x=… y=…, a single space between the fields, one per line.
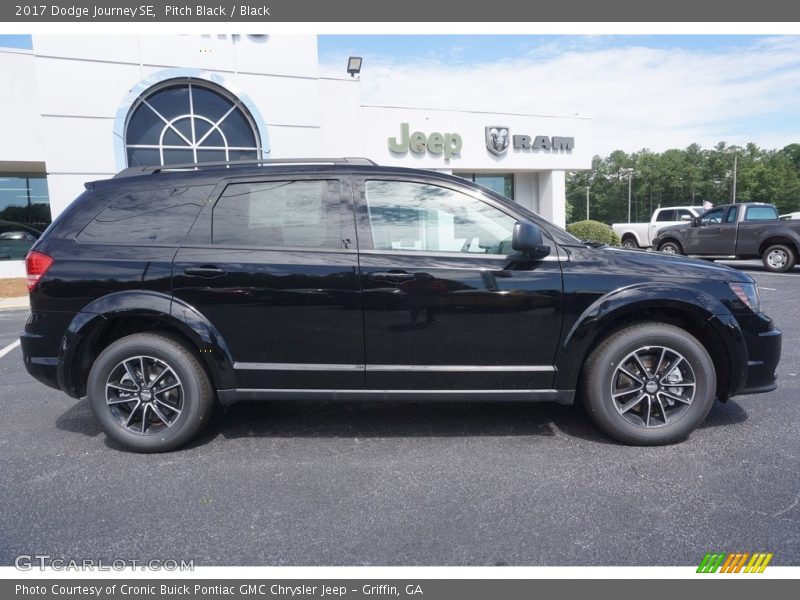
x=189 y=121
x=502 y=183
x=24 y=213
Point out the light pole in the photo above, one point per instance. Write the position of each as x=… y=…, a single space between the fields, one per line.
x=629 y=172
x=735 y=151
x=587 y=202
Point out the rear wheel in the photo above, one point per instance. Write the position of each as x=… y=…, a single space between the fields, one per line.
x=149 y=393
x=671 y=248
x=779 y=258
x=649 y=384
x=629 y=242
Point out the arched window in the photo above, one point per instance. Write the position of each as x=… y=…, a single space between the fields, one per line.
x=187 y=121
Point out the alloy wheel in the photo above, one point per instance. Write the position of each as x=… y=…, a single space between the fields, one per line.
x=653 y=386
x=144 y=394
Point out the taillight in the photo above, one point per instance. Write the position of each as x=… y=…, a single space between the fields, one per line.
x=36 y=264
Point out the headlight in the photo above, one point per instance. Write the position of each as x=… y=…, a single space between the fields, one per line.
x=747 y=293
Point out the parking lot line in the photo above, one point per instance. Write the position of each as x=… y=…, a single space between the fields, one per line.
x=8 y=348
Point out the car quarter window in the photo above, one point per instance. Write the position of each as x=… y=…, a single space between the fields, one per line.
x=760 y=213
x=299 y=213
x=666 y=215
x=415 y=216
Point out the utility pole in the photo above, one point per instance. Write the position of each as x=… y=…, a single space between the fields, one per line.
x=587 y=202
x=629 y=172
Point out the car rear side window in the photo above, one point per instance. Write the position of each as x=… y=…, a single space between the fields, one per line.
x=666 y=215
x=160 y=217
x=295 y=214
x=761 y=213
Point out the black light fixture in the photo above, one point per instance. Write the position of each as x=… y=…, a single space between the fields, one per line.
x=354 y=65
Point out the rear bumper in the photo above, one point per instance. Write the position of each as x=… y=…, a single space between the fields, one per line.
x=41 y=368
x=40 y=343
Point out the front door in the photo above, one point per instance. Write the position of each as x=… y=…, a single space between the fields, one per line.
x=444 y=307
x=709 y=237
x=272 y=264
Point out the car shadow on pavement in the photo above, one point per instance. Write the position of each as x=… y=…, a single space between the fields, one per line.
x=373 y=419
x=78 y=418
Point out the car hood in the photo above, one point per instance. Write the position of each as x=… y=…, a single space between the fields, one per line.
x=651 y=264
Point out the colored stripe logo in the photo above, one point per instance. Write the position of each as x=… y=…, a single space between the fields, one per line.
x=734 y=562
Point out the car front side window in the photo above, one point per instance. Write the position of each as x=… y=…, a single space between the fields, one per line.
x=410 y=216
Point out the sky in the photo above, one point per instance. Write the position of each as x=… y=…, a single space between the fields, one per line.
x=655 y=91
x=650 y=91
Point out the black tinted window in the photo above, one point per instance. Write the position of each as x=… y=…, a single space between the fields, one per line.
x=303 y=213
x=421 y=217
x=761 y=213
x=157 y=217
x=666 y=215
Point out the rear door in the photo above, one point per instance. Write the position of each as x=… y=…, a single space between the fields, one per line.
x=272 y=264
x=444 y=309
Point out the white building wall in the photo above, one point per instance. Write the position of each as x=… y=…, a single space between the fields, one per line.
x=526 y=190
x=81 y=81
x=20 y=134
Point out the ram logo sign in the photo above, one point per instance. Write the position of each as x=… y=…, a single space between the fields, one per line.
x=499 y=140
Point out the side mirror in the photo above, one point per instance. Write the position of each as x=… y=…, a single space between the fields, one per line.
x=527 y=238
x=696 y=222
x=686 y=217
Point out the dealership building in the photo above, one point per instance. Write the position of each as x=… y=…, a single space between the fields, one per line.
x=79 y=108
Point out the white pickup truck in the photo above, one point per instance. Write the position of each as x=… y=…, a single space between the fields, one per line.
x=640 y=235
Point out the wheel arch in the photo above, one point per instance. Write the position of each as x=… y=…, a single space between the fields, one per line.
x=123 y=313
x=697 y=312
x=783 y=239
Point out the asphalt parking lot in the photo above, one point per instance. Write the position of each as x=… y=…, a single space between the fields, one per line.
x=285 y=483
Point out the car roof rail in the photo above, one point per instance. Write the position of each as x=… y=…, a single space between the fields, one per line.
x=148 y=170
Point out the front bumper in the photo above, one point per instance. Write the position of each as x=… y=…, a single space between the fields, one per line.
x=763 y=341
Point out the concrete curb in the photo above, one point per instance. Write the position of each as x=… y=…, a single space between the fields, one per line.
x=15 y=303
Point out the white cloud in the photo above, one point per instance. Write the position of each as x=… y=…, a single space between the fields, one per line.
x=637 y=96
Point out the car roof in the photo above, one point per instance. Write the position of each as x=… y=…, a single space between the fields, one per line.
x=208 y=174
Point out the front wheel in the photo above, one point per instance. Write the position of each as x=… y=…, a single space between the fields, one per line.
x=649 y=384
x=149 y=393
x=779 y=258
x=671 y=248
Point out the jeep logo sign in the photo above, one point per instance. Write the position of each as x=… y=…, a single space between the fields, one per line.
x=448 y=144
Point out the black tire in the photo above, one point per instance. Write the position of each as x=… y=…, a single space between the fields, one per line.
x=670 y=247
x=779 y=258
x=174 y=418
x=629 y=242
x=666 y=423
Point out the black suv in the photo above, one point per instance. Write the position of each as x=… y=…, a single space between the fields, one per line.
x=166 y=289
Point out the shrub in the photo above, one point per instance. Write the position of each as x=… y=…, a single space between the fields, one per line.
x=594 y=231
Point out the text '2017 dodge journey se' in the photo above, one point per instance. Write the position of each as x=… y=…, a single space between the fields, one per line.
x=166 y=289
